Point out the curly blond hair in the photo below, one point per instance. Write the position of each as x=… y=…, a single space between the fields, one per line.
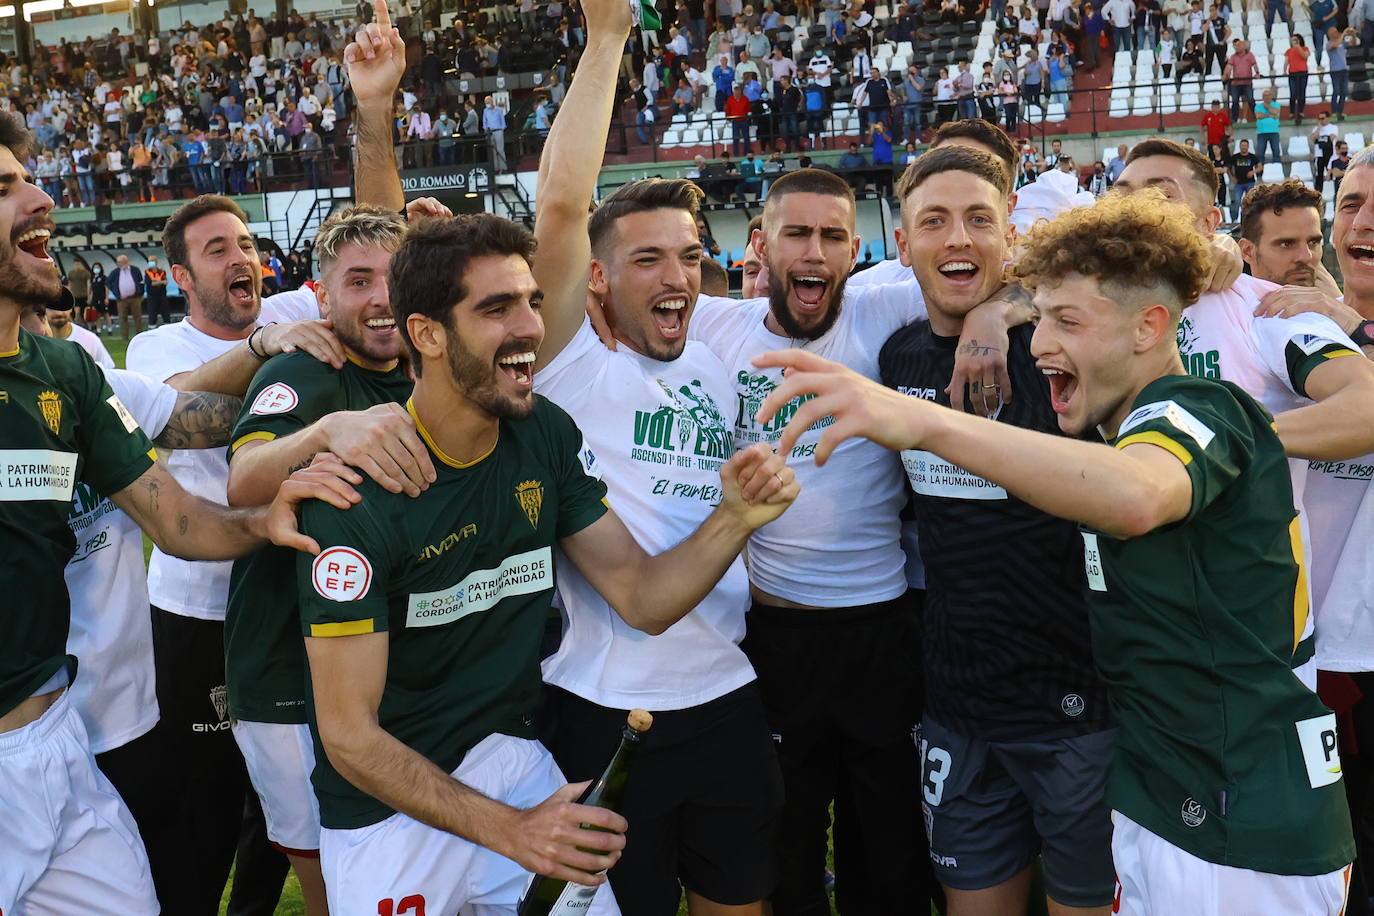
x=1138 y=246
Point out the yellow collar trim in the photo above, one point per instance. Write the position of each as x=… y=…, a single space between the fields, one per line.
x=357 y=362
x=438 y=452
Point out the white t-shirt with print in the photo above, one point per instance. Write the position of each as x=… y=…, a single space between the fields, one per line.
x=657 y=433
x=1220 y=337
x=111 y=634
x=1339 y=501
x=839 y=543
x=200 y=588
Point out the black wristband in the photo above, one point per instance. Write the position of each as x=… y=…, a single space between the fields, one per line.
x=252 y=349
x=1363 y=334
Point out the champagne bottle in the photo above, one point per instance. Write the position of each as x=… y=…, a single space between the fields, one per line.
x=552 y=897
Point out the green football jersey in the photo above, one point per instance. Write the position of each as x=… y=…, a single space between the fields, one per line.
x=460 y=578
x=264 y=657
x=1221 y=751
x=59 y=424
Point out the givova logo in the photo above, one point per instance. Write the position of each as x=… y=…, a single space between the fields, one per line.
x=1193 y=814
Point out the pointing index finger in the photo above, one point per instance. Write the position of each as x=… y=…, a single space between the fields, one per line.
x=382 y=14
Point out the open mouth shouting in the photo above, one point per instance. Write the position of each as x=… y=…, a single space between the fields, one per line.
x=809 y=289
x=519 y=367
x=1362 y=253
x=669 y=313
x=242 y=290
x=1063 y=386
x=34 y=244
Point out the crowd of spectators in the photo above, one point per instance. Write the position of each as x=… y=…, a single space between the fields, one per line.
x=134 y=117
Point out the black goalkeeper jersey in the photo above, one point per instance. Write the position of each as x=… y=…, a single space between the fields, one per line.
x=1006 y=643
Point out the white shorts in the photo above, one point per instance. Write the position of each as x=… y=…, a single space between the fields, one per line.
x=1155 y=877
x=414 y=867
x=67 y=842
x=280 y=759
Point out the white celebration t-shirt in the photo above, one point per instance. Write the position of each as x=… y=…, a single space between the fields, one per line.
x=839 y=543
x=1220 y=337
x=188 y=587
x=657 y=433
x=111 y=634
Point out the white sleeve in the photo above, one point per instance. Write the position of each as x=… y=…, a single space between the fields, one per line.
x=103 y=359
x=292 y=305
x=572 y=369
x=885 y=308
x=722 y=323
x=161 y=355
x=150 y=402
x=889 y=271
x=1310 y=333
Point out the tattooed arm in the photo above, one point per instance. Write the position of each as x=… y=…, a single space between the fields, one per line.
x=980 y=364
x=201 y=419
x=192 y=528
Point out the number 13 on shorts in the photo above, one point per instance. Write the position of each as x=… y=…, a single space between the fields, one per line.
x=935 y=764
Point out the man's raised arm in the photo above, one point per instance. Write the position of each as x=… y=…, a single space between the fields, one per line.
x=572 y=159
x=376 y=60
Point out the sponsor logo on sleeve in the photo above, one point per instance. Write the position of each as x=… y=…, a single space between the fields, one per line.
x=1072 y=705
x=1175 y=415
x=341 y=574
x=130 y=424
x=277 y=397
x=1193 y=814
x=1317 y=736
x=1311 y=343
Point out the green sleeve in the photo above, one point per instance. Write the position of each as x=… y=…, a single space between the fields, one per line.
x=290 y=392
x=343 y=590
x=1301 y=363
x=582 y=494
x=1203 y=426
x=115 y=450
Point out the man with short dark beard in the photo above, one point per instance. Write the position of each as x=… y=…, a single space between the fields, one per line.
x=423 y=617
x=832 y=632
x=296 y=408
x=69 y=841
x=215 y=263
x=1281 y=233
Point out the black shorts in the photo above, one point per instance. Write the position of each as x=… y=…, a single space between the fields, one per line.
x=992 y=807
x=702 y=801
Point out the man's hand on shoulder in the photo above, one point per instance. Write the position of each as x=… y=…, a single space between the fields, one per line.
x=314 y=336
x=1227 y=263
x=980 y=362
x=383 y=443
x=327 y=479
x=1287 y=301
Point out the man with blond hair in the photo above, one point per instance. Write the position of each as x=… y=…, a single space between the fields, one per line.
x=297 y=407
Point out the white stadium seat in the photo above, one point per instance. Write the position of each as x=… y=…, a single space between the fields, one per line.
x=1273 y=171
x=1301 y=169
x=1299 y=148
